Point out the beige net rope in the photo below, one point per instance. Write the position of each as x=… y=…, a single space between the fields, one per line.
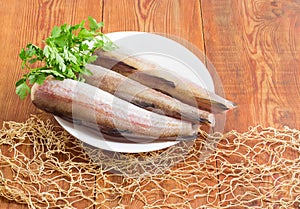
x=256 y=169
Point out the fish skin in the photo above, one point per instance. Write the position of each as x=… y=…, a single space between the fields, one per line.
x=143 y=96
x=79 y=101
x=159 y=78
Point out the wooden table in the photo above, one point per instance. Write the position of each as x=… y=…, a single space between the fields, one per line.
x=254 y=46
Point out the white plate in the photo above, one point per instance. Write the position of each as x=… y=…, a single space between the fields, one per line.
x=163 y=51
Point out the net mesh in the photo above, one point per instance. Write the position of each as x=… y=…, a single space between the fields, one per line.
x=41 y=165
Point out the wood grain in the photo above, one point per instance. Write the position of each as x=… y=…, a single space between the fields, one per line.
x=32 y=21
x=174 y=19
x=254 y=45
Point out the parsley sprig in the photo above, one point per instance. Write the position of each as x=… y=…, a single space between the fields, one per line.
x=66 y=52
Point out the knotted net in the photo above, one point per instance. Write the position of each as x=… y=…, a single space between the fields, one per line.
x=41 y=165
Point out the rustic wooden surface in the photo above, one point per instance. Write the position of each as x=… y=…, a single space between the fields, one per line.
x=254 y=46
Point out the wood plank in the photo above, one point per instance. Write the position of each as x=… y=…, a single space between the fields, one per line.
x=254 y=45
x=247 y=45
x=32 y=21
x=175 y=19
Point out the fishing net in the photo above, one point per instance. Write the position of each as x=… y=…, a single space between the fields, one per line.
x=41 y=165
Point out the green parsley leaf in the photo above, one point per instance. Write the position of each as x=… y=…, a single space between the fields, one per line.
x=22 y=90
x=94 y=25
x=19 y=82
x=56 y=31
x=86 y=34
x=32 y=78
x=22 y=54
x=40 y=78
x=67 y=50
x=92 y=59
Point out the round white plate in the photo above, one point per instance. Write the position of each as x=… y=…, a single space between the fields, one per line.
x=166 y=53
